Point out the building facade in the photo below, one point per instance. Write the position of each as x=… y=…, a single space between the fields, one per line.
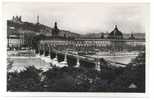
x=113 y=42
x=115 y=34
x=15 y=41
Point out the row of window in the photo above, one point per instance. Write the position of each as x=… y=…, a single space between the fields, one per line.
x=90 y=43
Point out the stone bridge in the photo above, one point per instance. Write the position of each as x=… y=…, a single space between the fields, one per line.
x=63 y=58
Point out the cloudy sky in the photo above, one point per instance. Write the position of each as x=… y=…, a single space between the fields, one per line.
x=83 y=18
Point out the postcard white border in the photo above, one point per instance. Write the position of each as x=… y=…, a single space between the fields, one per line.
x=3 y=42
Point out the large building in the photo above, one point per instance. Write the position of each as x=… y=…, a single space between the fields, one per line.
x=113 y=42
x=58 y=33
x=15 y=41
x=20 y=33
x=115 y=34
x=17 y=19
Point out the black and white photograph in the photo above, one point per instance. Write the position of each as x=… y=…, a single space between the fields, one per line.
x=76 y=47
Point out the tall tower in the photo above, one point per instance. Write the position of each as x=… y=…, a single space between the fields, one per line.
x=20 y=18
x=116 y=27
x=55 y=30
x=37 y=19
x=55 y=26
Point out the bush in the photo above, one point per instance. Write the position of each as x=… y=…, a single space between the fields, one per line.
x=28 y=80
x=69 y=79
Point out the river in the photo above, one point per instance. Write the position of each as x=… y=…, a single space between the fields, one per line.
x=20 y=63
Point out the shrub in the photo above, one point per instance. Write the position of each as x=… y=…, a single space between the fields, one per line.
x=28 y=80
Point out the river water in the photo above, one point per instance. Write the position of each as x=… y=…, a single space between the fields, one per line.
x=120 y=57
x=21 y=63
x=124 y=60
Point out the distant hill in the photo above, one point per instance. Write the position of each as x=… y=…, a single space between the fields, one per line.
x=16 y=27
x=27 y=26
x=136 y=35
x=125 y=35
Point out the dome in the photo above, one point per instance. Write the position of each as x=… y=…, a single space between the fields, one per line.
x=115 y=34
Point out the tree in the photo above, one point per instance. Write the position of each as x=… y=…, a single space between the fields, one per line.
x=134 y=73
x=28 y=80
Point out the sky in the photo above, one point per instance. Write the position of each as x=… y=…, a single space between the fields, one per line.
x=83 y=17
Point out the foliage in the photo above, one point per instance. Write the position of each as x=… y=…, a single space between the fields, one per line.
x=69 y=79
x=28 y=80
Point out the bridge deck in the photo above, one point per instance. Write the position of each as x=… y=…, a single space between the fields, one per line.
x=89 y=59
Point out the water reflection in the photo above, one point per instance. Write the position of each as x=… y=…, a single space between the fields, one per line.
x=22 y=63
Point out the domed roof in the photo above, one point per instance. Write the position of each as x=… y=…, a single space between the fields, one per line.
x=115 y=33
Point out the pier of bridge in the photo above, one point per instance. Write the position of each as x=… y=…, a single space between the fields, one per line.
x=63 y=58
x=66 y=59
